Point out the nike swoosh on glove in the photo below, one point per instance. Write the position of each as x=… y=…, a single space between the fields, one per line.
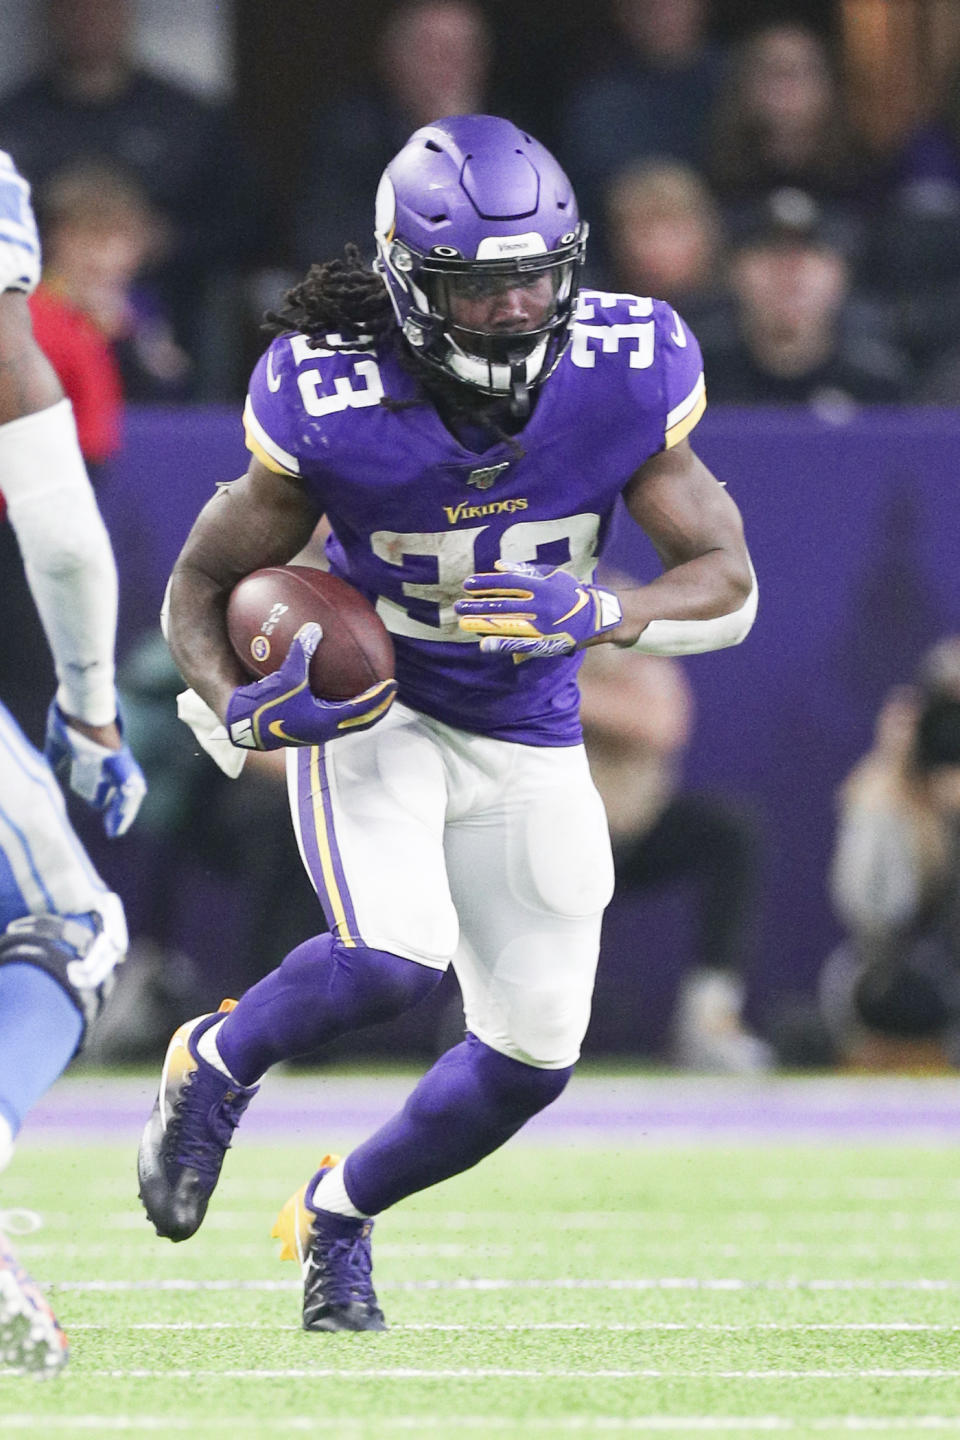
x=280 y=709
x=110 y=781
x=535 y=611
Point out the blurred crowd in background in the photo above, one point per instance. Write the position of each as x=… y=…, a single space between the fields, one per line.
x=719 y=165
x=811 y=243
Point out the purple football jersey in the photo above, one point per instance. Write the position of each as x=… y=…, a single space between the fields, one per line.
x=414 y=511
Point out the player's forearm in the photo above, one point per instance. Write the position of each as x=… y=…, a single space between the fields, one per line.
x=259 y=520
x=707 y=603
x=197 y=635
x=67 y=556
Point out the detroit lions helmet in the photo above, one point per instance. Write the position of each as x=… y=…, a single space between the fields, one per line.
x=473 y=207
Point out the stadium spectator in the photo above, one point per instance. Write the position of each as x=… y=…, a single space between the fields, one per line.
x=93 y=100
x=107 y=342
x=939 y=380
x=637 y=716
x=99 y=233
x=62 y=932
x=798 y=336
x=780 y=122
x=664 y=238
x=892 y=990
x=87 y=370
x=653 y=101
x=433 y=58
x=914 y=254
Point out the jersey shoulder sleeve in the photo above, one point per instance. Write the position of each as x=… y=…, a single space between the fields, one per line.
x=297 y=392
x=680 y=364
x=272 y=409
x=657 y=355
x=19 y=241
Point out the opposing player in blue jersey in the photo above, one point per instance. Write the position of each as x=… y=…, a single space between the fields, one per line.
x=62 y=932
x=466 y=422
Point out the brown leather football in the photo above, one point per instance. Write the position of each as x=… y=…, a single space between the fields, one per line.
x=267 y=608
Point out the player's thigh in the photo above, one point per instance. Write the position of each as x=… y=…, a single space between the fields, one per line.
x=43 y=867
x=369 y=814
x=531 y=884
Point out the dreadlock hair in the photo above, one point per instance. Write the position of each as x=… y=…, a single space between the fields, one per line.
x=345 y=297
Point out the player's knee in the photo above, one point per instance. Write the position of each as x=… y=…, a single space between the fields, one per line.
x=82 y=958
x=547 y=1029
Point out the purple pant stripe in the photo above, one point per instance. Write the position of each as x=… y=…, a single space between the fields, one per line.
x=320 y=843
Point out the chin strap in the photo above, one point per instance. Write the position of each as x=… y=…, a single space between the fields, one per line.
x=519 y=390
x=507 y=378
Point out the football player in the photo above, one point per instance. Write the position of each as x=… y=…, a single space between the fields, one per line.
x=62 y=932
x=466 y=420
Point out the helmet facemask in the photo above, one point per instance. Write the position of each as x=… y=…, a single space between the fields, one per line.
x=497 y=325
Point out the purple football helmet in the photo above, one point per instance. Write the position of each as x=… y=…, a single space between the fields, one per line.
x=473 y=208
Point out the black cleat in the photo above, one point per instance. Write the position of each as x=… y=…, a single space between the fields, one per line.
x=197 y=1109
x=334 y=1256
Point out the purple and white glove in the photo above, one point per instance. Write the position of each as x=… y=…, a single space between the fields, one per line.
x=535 y=611
x=281 y=710
x=110 y=781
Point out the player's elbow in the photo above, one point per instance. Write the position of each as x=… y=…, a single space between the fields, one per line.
x=740 y=582
x=71 y=552
x=741 y=611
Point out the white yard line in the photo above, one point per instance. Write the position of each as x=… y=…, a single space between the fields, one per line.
x=497 y=1372
x=235 y=1216
x=789 y=1284
x=642 y=1327
x=573 y=1424
x=705 y=1251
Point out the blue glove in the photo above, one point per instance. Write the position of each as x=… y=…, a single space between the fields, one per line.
x=281 y=710
x=110 y=781
x=535 y=611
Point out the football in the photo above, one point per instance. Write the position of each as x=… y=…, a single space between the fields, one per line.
x=267 y=608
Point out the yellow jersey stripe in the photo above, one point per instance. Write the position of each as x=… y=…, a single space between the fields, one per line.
x=339 y=916
x=682 y=428
x=267 y=451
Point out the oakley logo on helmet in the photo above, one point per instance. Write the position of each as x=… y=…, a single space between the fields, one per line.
x=491 y=247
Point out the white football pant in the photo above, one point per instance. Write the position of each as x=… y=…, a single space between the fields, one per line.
x=443 y=846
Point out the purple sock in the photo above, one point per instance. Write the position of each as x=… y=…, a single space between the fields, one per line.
x=321 y=990
x=466 y=1106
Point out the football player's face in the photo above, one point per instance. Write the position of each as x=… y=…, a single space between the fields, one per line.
x=501 y=305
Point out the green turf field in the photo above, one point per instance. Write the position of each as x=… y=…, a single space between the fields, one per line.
x=626 y=1287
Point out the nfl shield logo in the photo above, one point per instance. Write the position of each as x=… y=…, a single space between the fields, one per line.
x=485 y=477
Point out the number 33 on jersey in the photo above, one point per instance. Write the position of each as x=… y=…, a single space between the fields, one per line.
x=414 y=512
